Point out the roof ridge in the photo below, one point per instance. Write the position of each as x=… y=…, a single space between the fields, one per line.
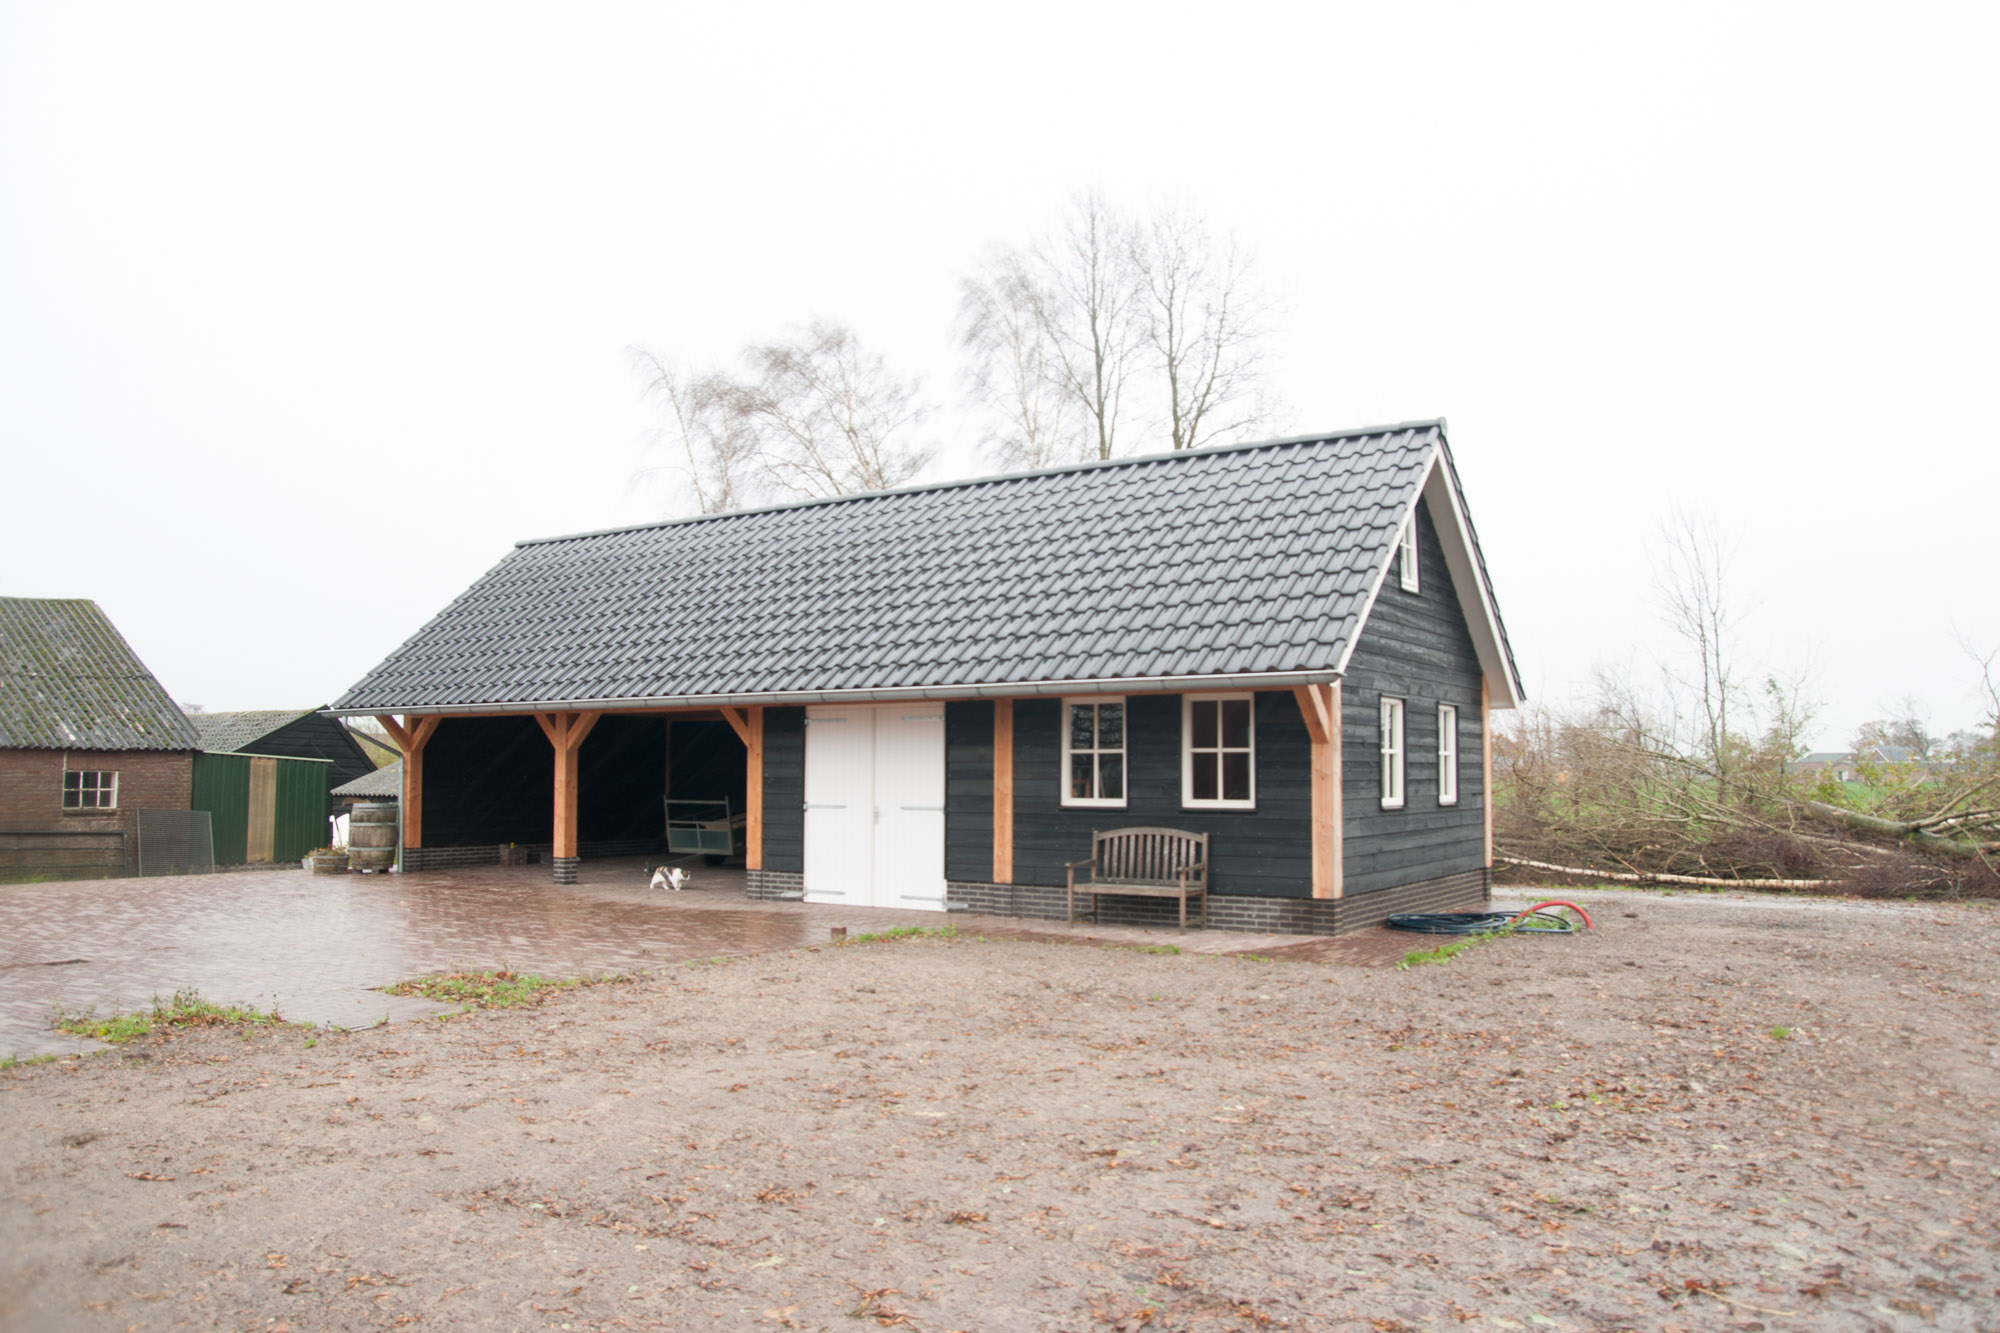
x=1092 y=465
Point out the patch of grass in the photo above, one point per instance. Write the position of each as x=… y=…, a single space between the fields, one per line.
x=1172 y=949
x=18 y=1062
x=187 y=1009
x=1251 y=957
x=1443 y=953
x=905 y=933
x=491 y=988
x=1781 y=1034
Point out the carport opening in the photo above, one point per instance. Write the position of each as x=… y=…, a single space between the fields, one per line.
x=491 y=780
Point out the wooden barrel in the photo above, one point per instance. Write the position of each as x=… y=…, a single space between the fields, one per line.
x=371 y=835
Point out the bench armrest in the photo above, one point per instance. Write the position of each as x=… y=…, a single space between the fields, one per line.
x=1078 y=865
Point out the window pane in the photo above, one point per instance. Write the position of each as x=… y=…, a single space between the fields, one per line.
x=1081 y=733
x=1111 y=776
x=1202 y=715
x=1079 y=777
x=1204 y=776
x=1111 y=726
x=1236 y=723
x=1236 y=776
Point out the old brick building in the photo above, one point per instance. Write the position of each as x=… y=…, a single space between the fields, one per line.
x=88 y=738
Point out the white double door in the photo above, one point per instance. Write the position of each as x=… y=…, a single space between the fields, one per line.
x=875 y=805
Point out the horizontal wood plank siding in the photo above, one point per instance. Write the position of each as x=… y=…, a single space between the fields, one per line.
x=1262 y=852
x=1414 y=647
x=785 y=790
x=968 y=790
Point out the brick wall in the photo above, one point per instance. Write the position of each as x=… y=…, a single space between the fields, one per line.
x=773 y=884
x=1280 y=916
x=31 y=783
x=538 y=853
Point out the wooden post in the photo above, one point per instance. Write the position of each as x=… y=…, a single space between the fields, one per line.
x=1486 y=765
x=411 y=739
x=1320 y=706
x=1003 y=791
x=566 y=733
x=753 y=790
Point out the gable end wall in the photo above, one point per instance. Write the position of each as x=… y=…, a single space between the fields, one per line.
x=1416 y=647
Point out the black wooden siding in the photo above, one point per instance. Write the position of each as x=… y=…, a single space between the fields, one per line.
x=317 y=736
x=968 y=791
x=1415 y=647
x=785 y=789
x=1262 y=852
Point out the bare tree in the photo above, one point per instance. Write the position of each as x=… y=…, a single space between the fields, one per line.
x=1693 y=592
x=1095 y=327
x=1205 y=323
x=1006 y=328
x=830 y=417
x=704 y=432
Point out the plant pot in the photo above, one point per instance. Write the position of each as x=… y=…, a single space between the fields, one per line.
x=328 y=865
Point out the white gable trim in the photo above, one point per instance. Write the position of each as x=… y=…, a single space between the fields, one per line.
x=1455 y=535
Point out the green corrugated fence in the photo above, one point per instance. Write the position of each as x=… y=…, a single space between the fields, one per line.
x=278 y=815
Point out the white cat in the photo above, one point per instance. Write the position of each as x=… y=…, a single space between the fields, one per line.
x=675 y=879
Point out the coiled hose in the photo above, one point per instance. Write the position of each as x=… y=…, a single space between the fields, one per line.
x=1535 y=920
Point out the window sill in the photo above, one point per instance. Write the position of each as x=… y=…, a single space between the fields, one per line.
x=1093 y=805
x=1218 y=805
x=1392 y=805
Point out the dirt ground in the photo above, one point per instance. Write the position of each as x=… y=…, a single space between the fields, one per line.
x=1596 y=1132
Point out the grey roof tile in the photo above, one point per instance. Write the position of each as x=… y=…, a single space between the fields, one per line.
x=69 y=681
x=1196 y=563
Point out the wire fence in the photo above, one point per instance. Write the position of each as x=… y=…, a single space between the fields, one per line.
x=175 y=842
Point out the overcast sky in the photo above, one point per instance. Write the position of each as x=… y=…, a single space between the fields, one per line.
x=308 y=313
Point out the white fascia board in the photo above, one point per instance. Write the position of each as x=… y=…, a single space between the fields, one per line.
x=1481 y=619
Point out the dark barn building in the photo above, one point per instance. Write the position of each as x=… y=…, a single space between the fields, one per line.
x=932 y=697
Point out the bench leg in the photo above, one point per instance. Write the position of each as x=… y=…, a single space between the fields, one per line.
x=1069 y=916
x=1183 y=914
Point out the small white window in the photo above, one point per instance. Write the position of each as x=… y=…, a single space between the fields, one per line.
x=1392 y=754
x=1219 y=751
x=1094 y=752
x=1408 y=559
x=1447 y=755
x=89 y=791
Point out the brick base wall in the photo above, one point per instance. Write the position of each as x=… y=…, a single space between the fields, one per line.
x=773 y=884
x=1275 y=916
x=536 y=853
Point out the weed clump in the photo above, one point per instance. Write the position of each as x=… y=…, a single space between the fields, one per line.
x=187 y=1009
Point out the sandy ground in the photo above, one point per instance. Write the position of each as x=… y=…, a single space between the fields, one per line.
x=1597 y=1132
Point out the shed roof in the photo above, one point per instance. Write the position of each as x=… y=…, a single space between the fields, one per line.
x=1244 y=563
x=224 y=732
x=385 y=783
x=69 y=681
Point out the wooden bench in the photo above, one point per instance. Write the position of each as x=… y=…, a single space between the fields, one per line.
x=1147 y=863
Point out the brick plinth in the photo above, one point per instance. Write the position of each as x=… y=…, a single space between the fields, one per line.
x=1270 y=916
x=773 y=884
x=565 y=868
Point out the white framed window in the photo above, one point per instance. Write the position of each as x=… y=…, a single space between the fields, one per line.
x=1407 y=560
x=1094 y=752
x=84 y=790
x=1219 y=751
x=1447 y=754
x=1392 y=753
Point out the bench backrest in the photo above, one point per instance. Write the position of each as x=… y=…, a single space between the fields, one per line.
x=1148 y=855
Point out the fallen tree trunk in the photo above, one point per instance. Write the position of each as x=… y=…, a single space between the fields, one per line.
x=1909 y=831
x=1700 y=880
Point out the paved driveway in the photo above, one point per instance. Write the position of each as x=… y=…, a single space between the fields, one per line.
x=317 y=947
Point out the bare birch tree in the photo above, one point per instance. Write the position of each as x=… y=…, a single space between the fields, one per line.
x=830 y=417
x=1006 y=318
x=1205 y=323
x=1693 y=592
x=704 y=433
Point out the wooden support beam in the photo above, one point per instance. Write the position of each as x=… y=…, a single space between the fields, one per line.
x=411 y=736
x=753 y=791
x=1338 y=820
x=1003 y=791
x=1486 y=764
x=547 y=722
x=579 y=727
x=736 y=719
x=397 y=731
x=1320 y=706
x=566 y=733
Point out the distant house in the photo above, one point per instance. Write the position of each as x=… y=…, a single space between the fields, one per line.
x=931 y=698
x=88 y=739
x=1839 y=764
x=286 y=733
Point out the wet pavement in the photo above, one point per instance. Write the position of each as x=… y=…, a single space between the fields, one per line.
x=316 y=948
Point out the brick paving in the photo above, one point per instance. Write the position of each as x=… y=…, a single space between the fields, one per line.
x=318 y=947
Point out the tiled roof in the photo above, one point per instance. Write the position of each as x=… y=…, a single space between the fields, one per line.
x=223 y=732
x=69 y=681
x=1232 y=561
x=385 y=782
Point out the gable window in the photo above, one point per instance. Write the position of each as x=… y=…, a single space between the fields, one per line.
x=1447 y=754
x=1094 y=752
x=89 y=791
x=1218 y=751
x=1392 y=754
x=1408 y=559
